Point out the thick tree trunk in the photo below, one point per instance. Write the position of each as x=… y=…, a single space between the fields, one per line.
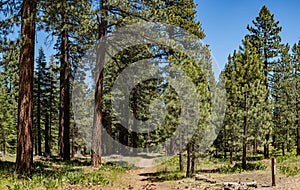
x=193 y=159
x=64 y=116
x=298 y=140
x=24 y=157
x=180 y=162
x=96 y=142
x=244 y=158
x=97 y=136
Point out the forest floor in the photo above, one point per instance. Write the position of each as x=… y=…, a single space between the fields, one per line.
x=160 y=173
x=146 y=172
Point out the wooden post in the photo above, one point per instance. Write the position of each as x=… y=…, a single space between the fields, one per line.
x=273 y=171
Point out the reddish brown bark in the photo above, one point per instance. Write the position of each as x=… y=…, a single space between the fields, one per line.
x=97 y=136
x=64 y=115
x=24 y=158
x=96 y=144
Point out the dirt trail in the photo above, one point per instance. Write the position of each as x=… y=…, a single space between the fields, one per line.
x=145 y=163
x=138 y=179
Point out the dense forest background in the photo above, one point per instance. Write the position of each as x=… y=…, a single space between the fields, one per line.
x=261 y=79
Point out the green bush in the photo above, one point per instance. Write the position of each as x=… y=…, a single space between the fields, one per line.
x=289 y=171
x=51 y=183
x=237 y=168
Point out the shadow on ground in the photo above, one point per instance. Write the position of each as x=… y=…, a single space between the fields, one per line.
x=162 y=176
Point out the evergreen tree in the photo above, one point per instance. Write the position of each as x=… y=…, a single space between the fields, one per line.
x=245 y=96
x=295 y=91
x=39 y=94
x=265 y=36
x=68 y=21
x=283 y=100
x=24 y=158
x=51 y=104
x=9 y=66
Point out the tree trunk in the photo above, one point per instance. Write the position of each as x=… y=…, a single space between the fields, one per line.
x=134 y=127
x=35 y=144
x=266 y=65
x=171 y=146
x=282 y=148
x=64 y=116
x=266 y=147
x=298 y=127
x=231 y=153
x=47 y=146
x=3 y=141
x=38 y=118
x=193 y=159
x=96 y=142
x=244 y=158
x=180 y=162
x=298 y=140
x=255 y=147
x=73 y=142
x=50 y=116
x=102 y=31
x=24 y=157
x=188 y=161
x=109 y=139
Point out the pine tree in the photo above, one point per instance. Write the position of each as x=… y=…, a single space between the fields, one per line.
x=39 y=94
x=246 y=96
x=9 y=66
x=51 y=104
x=283 y=100
x=70 y=30
x=24 y=158
x=265 y=36
x=296 y=94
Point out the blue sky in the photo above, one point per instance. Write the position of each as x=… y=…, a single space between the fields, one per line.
x=224 y=22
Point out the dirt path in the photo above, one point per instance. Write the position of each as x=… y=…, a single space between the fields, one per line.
x=145 y=163
x=139 y=179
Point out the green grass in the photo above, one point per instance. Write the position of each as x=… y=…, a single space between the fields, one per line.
x=237 y=168
x=55 y=173
x=168 y=169
x=289 y=164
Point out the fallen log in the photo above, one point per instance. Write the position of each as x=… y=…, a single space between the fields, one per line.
x=239 y=185
x=204 y=178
